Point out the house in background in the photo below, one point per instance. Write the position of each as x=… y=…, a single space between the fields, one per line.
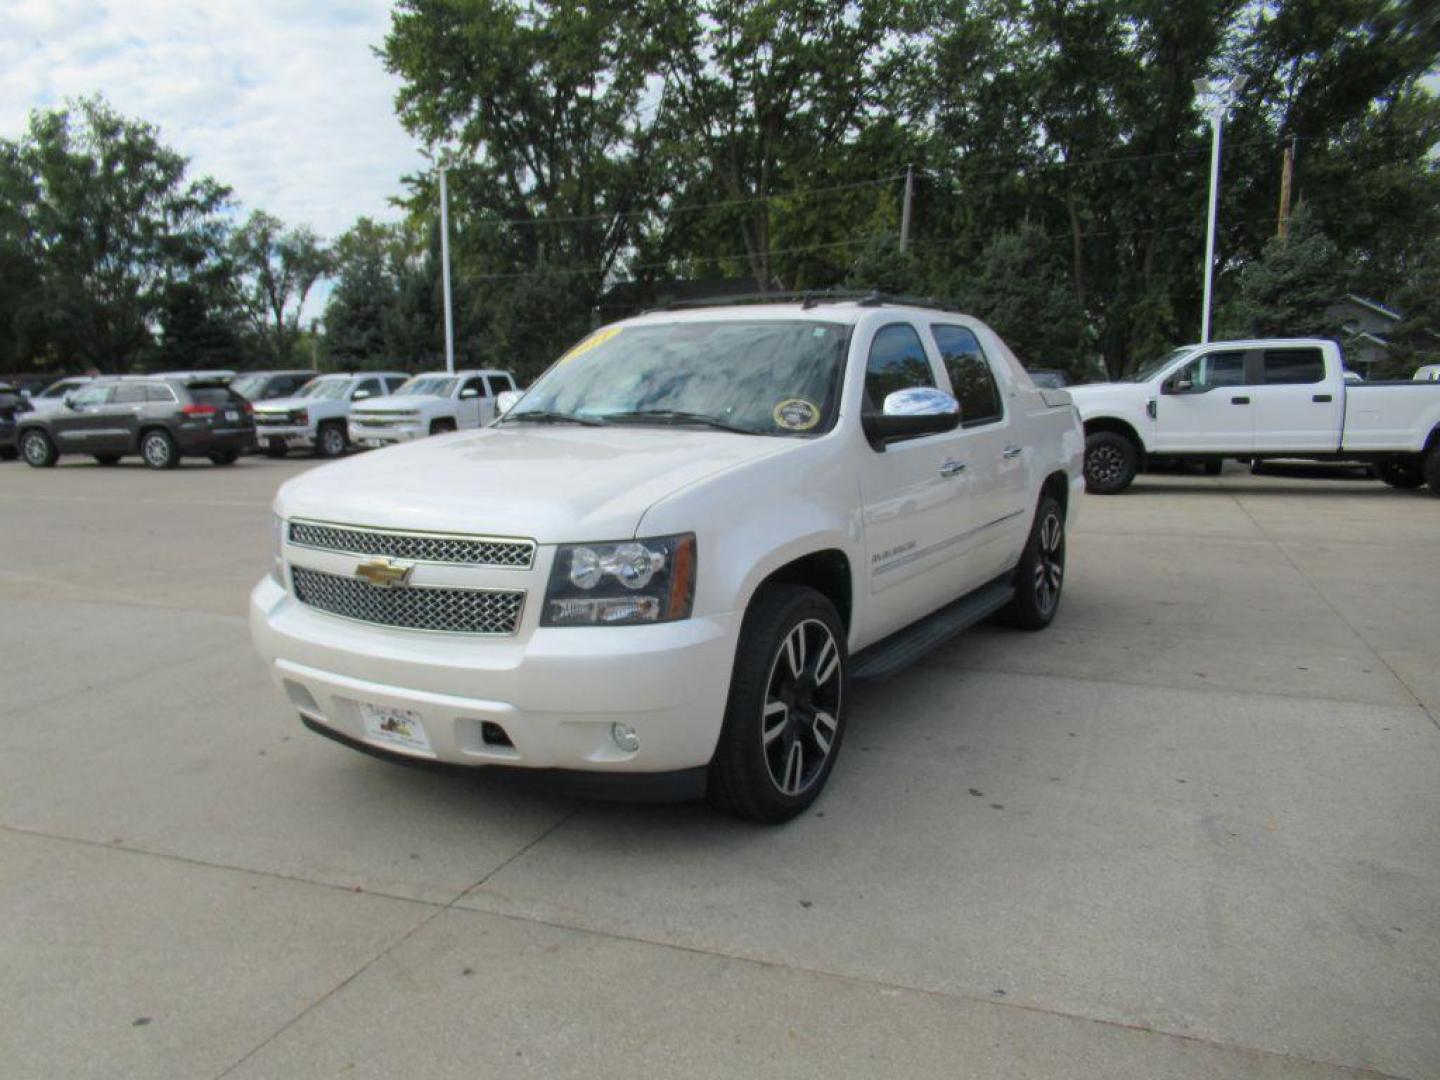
x=1374 y=335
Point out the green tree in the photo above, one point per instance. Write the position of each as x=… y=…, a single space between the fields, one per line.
x=1287 y=291
x=368 y=261
x=280 y=267
x=100 y=222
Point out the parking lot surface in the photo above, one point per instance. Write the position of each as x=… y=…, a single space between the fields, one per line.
x=1193 y=830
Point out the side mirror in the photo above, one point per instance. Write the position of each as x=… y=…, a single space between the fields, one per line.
x=468 y=393
x=506 y=400
x=907 y=414
x=1178 y=386
x=69 y=400
x=360 y=395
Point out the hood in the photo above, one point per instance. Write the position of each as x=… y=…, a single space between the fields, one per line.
x=389 y=402
x=1088 y=397
x=552 y=484
x=282 y=404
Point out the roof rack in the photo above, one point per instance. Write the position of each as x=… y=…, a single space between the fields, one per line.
x=811 y=298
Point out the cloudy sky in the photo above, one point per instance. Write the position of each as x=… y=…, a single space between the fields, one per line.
x=283 y=101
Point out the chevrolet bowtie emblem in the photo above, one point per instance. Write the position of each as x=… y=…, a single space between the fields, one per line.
x=382 y=573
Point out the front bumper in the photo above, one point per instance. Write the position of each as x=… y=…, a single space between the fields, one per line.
x=363 y=434
x=290 y=435
x=554 y=692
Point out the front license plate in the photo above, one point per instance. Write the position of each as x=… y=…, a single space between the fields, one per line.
x=398 y=727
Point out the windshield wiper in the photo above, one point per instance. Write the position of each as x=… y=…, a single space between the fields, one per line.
x=676 y=416
x=544 y=416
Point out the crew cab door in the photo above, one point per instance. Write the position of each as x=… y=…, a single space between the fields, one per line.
x=471 y=400
x=1297 y=407
x=1205 y=406
x=994 y=450
x=914 y=492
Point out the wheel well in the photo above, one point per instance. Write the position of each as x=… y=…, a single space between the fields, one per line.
x=148 y=428
x=827 y=572
x=1057 y=486
x=1433 y=440
x=1119 y=427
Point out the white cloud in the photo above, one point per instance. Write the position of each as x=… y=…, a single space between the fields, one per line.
x=283 y=101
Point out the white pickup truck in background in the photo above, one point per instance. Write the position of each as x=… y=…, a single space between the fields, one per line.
x=430 y=404
x=315 y=418
x=1259 y=399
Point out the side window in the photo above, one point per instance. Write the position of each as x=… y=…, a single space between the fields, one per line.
x=970 y=375
x=1293 y=366
x=130 y=394
x=897 y=362
x=499 y=384
x=93 y=395
x=370 y=387
x=159 y=392
x=476 y=384
x=394 y=382
x=1212 y=370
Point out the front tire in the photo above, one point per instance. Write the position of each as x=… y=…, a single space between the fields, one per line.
x=225 y=457
x=1401 y=473
x=330 y=441
x=786 y=713
x=1111 y=462
x=37 y=450
x=159 y=450
x=1432 y=470
x=1040 y=574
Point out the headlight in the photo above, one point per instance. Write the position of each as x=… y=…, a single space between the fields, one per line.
x=615 y=584
x=299 y=416
x=277 y=542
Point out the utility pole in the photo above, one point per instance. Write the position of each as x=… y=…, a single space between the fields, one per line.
x=905 y=209
x=1287 y=172
x=445 y=270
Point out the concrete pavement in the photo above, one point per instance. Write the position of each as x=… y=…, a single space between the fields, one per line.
x=1192 y=830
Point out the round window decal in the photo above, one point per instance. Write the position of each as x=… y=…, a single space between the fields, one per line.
x=796 y=414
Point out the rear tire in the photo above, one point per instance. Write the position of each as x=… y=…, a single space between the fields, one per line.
x=37 y=449
x=1401 y=473
x=1432 y=470
x=1212 y=468
x=331 y=441
x=107 y=459
x=159 y=449
x=225 y=457
x=785 y=716
x=1111 y=462
x=1040 y=574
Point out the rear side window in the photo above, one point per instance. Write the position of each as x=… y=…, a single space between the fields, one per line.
x=129 y=394
x=159 y=392
x=897 y=362
x=477 y=384
x=1282 y=366
x=394 y=382
x=970 y=375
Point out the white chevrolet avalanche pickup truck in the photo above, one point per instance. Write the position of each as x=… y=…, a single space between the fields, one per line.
x=430 y=404
x=315 y=418
x=666 y=562
x=1274 y=398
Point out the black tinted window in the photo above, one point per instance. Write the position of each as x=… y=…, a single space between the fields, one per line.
x=129 y=393
x=1294 y=366
x=897 y=362
x=214 y=395
x=476 y=384
x=394 y=382
x=970 y=375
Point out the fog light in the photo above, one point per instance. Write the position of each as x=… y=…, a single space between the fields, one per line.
x=625 y=737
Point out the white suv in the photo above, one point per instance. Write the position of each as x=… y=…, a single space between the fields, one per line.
x=667 y=561
x=316 y=416
x=430 y=404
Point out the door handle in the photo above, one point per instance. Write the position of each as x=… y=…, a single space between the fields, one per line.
x=1239 y=401
x=1322 y=397
x=1012 y=451
x=952 y=468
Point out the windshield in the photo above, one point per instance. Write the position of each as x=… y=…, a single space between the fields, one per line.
x=428 y=385
x=324 y=389
x=768 y=377
x=249 y=385
x=1154 y=367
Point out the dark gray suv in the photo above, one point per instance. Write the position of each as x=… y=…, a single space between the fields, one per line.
x=162 y=420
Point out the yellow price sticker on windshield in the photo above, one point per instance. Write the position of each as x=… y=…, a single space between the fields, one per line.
x=597 y=338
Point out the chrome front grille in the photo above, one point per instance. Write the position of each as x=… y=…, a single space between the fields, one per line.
x=418 y=547
x=451 y=611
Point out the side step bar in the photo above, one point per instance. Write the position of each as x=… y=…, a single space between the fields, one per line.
x=902 y=648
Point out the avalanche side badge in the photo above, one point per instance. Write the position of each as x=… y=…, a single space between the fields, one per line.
x=796 y=414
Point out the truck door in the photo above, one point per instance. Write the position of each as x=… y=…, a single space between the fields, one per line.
x=473 y=399
x=1297 y=408
x=1206 y=407
x=916 y=495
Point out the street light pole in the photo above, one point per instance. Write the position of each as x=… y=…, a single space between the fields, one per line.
x=445 y=271
x=1216 y=98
